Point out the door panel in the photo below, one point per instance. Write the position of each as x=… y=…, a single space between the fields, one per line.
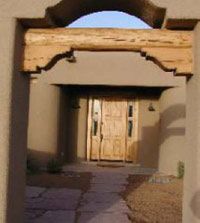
x=113 y=129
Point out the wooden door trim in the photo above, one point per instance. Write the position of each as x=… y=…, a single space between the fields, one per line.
x=136 y=130
x=89 y=124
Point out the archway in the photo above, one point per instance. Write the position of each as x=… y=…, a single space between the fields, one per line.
x=109 y=19
x=61 y=13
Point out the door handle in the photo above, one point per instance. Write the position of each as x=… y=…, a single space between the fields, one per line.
x=101 y=137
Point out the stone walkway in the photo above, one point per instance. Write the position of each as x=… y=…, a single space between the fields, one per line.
x=101 y=204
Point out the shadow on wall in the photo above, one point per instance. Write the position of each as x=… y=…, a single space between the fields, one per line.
x=40 y=158
x=68 y=126
x=149 y=146
x=152 y=137
x=195 y=204
x=168 y=117
x=65 y=135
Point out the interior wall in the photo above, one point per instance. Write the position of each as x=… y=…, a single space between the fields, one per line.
x=172 y=129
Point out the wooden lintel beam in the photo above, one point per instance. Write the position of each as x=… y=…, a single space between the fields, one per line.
x=171 y=49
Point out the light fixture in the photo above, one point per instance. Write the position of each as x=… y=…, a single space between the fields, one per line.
x=151 y=107
x=75 y=103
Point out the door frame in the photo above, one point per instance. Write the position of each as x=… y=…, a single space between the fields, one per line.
x=89 y=126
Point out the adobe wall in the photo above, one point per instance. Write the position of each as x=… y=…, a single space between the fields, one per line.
x=191 y=205
x=14 y=99
x=148 y=132
x=172 y=129
x=108 y=69
x=43 y=127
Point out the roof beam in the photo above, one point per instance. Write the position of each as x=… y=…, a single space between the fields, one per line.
x=171 y=50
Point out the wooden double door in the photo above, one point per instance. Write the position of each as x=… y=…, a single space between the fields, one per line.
x=112 y=129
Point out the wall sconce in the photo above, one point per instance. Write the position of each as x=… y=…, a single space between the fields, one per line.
x=70 y=57
x=151 y=107
x=75 y=103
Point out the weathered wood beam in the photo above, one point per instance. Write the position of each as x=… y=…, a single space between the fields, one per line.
x=172 y=50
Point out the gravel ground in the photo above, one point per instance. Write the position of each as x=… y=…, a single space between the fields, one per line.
x=153 y=202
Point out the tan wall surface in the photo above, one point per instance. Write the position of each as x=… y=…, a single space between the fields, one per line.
x=172 y=129
x=148 y=133
x=43 y=121
x=14 y=96
x=192 y=153
x=105 y=69
x=77 y=129
x=110 y=68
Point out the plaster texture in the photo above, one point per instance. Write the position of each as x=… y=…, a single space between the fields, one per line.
x=191 y=205
x=110 y=69
x=172 y=129
x=14 y=95
x=44 y=114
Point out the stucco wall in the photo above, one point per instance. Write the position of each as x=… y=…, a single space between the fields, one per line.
x=172 y=129
x=44 y=117
x=111 y=69
x=148 y=132
x=76 y=133
x=14 y=96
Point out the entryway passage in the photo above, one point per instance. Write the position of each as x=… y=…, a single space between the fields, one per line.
x=101 y=203
x=113 y=127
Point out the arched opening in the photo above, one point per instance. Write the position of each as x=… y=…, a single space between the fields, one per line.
x=109 y=19
x=66 y=12
x=143 y=9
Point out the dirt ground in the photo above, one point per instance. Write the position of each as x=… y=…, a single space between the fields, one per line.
x=153 y=202
x=69 y=180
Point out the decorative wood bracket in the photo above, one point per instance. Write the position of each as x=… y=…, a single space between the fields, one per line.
x=171 y=50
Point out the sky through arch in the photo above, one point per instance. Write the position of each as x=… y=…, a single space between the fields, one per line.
x=109 y=19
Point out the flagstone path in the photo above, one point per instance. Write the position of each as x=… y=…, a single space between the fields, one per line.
x=102 y=203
